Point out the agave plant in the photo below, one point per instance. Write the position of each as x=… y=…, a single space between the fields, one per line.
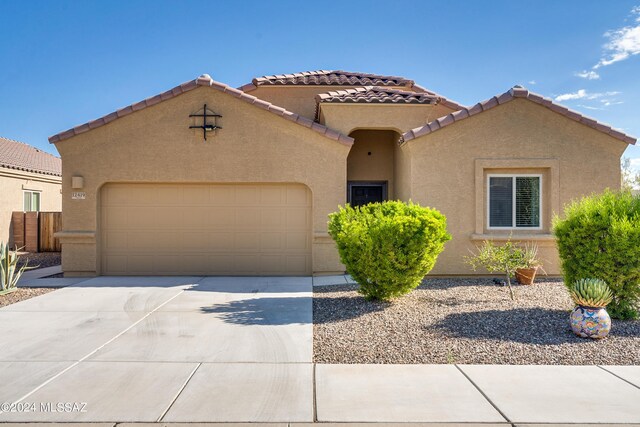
x=591 y=293
x=9 y=271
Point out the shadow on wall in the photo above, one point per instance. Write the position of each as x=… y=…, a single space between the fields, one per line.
x=264 y=311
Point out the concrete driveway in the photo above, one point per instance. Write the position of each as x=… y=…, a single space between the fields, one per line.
x=160 y=349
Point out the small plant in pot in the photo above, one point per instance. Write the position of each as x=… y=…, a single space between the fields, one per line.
x=526 y=274
x=590 y=318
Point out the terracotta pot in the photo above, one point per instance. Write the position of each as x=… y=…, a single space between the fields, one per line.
x=526 y=276
x=590 y=322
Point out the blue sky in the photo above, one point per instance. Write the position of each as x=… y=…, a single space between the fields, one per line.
x=63 y=63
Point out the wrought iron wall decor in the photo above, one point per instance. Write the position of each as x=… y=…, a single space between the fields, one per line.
x=206 y=126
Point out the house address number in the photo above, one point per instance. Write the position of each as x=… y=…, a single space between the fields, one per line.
x=78 y=195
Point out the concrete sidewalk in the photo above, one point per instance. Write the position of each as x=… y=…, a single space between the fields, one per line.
x=202 y=350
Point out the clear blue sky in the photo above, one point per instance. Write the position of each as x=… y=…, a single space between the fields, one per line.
x=63 y=63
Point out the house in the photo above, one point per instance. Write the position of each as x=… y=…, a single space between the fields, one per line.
x=208 y=179
x=30 y=180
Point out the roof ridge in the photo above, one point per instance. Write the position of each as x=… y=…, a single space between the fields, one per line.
x=299 y=78
x=203 y=80
x=443 y=100
x=378 y=95
x=516 y=92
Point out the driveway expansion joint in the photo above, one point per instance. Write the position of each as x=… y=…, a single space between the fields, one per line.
x=502 y=414
x=617 y=376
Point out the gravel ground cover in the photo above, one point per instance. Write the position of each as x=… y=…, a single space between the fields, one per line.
x=40 y=259
x=22 y=294
x=462 y=321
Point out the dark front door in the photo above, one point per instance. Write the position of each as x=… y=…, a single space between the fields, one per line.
x=362 y=193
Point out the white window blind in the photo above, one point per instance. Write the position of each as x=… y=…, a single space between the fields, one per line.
x=514 y=201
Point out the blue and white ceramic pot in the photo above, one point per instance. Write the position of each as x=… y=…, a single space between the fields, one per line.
x=590 y=322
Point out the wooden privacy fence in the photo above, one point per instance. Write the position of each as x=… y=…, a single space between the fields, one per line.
x=34 y=231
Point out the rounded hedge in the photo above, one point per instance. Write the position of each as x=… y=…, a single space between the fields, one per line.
x=388 y=247
x=600 y=238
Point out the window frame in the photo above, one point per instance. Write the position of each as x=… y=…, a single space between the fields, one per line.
x=513 y=176
x=32 y=192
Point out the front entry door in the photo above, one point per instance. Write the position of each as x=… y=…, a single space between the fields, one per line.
x=362 y=193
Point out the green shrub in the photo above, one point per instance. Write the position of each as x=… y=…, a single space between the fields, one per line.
x=388 y=247
x=600 y=238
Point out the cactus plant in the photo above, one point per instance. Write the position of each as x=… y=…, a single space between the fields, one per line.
x=591 y=293
x=9 y=271
x=590 y=318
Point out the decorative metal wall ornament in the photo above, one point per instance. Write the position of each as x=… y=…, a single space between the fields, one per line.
x=205 y=126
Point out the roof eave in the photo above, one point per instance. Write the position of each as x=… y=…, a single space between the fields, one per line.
x=511 y=94
x=203 y=80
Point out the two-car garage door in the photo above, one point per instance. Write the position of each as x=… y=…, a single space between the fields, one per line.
x=208 y=229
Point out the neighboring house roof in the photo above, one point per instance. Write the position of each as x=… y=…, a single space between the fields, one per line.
x=327 y=77
x=511 y=94
x=24 y=157
x=377 y=95
x=203 y=80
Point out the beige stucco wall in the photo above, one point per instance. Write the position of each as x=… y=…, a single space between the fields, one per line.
x=399 y=117
x=299 y=99
x=448 y=171
x=12 y=185
x=372 y=157
x=155 y=145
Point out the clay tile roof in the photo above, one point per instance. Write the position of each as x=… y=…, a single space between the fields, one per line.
x=377 y=95
x=333 y=78
x=204 y=80
x=21 y=156
x=511 y=94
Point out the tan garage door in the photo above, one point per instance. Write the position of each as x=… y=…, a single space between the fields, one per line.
x=217 y=229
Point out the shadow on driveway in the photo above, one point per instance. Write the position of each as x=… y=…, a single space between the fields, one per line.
x=264 y=311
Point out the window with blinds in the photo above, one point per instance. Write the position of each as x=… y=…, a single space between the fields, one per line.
x=514 y=201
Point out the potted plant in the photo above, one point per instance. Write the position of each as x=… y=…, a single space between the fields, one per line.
x=526 y=274
x=590 y=318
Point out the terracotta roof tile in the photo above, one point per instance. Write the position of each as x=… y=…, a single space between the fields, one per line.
x=376 y=95
x=329 y=77
x=203 y=80
x=21 y=156
x=516 y=92
x=344 y=78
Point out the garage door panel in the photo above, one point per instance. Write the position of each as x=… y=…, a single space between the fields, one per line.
x=206 y=229
x=272 y=218
x=195 y=217
x=248 y=218
x=272 y=242
x=247 y=241
x=221 y=218
x=247 y=195
x=167 y=217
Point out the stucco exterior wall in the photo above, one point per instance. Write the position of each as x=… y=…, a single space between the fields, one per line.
x=372 y=158
x=448 y=171
x=155 y=145
x=399 y=117
x=12 y=185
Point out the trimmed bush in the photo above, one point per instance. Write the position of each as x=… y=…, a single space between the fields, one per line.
x=388 y=247
x=600 y=238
